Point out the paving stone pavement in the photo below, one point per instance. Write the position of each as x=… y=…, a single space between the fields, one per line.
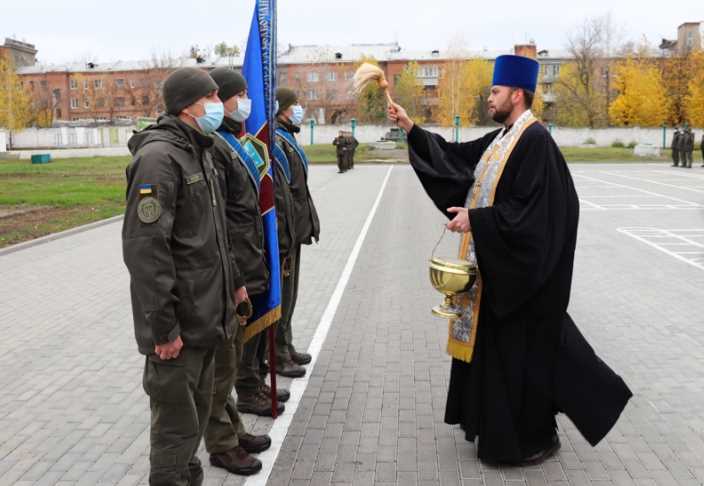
x=72 y=410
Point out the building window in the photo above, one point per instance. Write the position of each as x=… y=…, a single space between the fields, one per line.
x=86 y=103
x=31 y=85
x=74 y=103
x=428 y=72
x=119 y=102
x=349 y=75
x=132 y=83
x=56 y=93
x=145 y=100
x=98 y=83
x=312 y=95
x=100 y=103
x=332 y=76
x=85 y=85
x=73 y=84
x=119 y=83
x=313 y=77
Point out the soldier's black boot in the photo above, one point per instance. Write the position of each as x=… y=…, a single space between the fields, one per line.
x=237 y=461
x=289 y=369
x=299 y=358
x=257 y=404
x=282 y=394
x=254 y=444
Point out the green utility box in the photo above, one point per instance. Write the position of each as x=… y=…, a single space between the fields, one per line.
x=41 y=158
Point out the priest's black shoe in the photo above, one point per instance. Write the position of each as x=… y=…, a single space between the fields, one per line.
x=237 y=461
x=255 y=443
x=542 y=455
x=299 y=358
x=282 y=394
x=289 y=369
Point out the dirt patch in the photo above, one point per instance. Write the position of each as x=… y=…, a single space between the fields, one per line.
x=10 y=211
x=42 y=221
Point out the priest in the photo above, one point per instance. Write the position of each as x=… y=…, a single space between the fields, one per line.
x=518 y=358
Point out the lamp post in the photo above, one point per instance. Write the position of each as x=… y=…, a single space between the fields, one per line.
x=457 y=128
x=353 y=123
x=312 y=130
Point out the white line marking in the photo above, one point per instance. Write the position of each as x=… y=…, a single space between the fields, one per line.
x=632 y=233
x=591 y=204
x=298 y=387
x=650 y=181
x=690 y=203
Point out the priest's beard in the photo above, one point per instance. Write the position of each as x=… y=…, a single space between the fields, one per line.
x=501 y=113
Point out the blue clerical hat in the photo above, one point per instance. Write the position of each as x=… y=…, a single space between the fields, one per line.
x=516 y=72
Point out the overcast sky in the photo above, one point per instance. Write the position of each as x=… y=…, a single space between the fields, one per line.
x=72 y=30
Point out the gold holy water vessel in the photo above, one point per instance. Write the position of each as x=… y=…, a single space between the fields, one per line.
x=451 y=276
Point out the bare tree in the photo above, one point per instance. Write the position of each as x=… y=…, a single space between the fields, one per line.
x=591 y=45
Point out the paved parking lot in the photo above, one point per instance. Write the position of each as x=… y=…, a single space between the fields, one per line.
x=72 y=410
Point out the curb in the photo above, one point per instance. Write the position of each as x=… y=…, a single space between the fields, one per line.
x=56 y=236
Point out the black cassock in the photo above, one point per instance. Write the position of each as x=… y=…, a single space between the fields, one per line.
x=530 y=360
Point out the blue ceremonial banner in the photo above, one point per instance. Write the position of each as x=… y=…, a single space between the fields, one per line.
x=260 y=71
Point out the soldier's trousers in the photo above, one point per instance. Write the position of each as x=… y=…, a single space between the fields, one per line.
x=687 y=159
x=180 y=391
x=341 y=161
x=249 y=374
x=224 y=425
x=289 y=295
x=675 y=157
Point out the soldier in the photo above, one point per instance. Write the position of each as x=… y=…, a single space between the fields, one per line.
x=687 y=147
x=701 y=146
x=306 y=228
x=676 y=147
x=352 y=144
x=182 y=277
x=340 y=144
x=226 y=440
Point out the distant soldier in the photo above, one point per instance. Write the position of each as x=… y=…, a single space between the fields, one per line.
x=701 y=146
x=676 y=147
x=687 y=150
x=341 y=145
x=352 y=144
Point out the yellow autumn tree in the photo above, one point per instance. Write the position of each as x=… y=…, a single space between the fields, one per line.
x=694 y=101
x=463 y=89
x=408 y=91
x=15 y=103
x=642 y=99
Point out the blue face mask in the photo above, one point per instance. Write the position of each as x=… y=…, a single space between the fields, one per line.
x=211 y=121
x=297 y=115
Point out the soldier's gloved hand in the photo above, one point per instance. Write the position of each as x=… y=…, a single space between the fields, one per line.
x=169 y=350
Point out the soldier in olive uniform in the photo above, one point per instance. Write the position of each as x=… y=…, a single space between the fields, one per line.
x=226 y=440
x=687 y=147
x=352 y=144
x=341 y=146
x=676 y=147
x=183 y=280
x=306 y=228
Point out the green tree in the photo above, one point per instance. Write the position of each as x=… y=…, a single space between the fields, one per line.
x=224 y=50
x=408 y=91
x=15 y=103
x=642 y=99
